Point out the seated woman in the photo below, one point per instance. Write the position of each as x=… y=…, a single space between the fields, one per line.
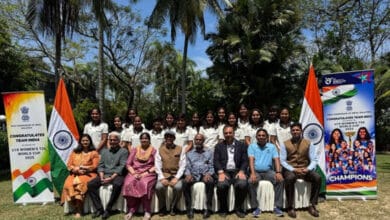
x=82 y=165
x=141 y=178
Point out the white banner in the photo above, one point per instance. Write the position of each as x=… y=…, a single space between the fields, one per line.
x=28 y=147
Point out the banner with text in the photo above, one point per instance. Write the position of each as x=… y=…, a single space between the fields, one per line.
x=28 y=147
x=349 y=124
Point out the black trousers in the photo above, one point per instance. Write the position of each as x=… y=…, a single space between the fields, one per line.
x=289 y=185
x=209 y=192
x=240 y=191
x=93 y=192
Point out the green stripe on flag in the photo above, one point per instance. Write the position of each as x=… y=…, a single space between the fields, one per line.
x=59 y=171
x=34 y=191
x=341 y=96
x=353 y=193
x=21 y=190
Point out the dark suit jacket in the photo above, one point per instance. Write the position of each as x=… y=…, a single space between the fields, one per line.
x=240 y=156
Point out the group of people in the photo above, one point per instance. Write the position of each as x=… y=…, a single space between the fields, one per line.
x=139 y=163
x=343 y=158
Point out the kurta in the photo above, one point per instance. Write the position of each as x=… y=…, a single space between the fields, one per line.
x=139 y=187
x=75 y=185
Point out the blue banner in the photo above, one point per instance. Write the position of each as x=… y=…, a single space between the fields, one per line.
x=349 y=126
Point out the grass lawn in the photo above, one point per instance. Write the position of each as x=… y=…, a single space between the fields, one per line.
x=330 y=209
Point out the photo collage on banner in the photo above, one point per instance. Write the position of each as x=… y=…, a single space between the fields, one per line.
x=349 y=124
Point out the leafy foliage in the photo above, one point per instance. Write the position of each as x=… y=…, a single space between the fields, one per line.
x=256 y=53
x=4 y=153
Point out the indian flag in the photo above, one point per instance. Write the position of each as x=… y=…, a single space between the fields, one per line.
x=63 y=136
x=332 y=94
x=312 y=121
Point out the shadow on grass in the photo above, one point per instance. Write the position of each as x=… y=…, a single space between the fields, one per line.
x=384 y=167
x=5 y=175
x=383 y=162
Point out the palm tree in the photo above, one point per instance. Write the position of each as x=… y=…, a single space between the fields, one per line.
x=56 y=18
x=187 y=16
x=98 y=8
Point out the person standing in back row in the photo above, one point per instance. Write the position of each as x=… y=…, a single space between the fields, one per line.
x=97 y=129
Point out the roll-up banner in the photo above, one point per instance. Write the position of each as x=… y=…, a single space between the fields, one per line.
x=349 y=124
x=28 y=147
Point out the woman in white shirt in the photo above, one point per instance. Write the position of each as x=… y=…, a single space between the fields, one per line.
x=156 y=134
x=194 y=127
x=256 y=121
x=282 y=129
x=243 y=119
x=221 y=120
x=210 y=131
x=239 y=133
x=131 y=137
x=183 y=134
x=118 y=127
x=97 y=129
x=270 y=123
x=169 y=123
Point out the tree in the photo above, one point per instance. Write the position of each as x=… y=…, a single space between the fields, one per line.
x=166 y=66
x=257 y=53
x=127 y=40
x=18 y=71
x=56 y=18
x=382 y=101
x=348 y=32
x=187 y=16
x=98 y=8
x=373 y=26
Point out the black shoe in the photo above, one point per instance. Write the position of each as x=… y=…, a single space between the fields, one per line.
x=162 y=212
x=313 y=211
x=291 y=213
x=240 y=214
x=97 y=214
x=172 y=212
x=206 y=214
x=222 y=214
x=106 y=214
x=190 y=213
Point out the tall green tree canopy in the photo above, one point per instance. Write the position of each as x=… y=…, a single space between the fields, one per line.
x=256 y=52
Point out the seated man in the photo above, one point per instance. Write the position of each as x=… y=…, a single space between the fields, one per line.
x=261 y=155
x=199 y=167
x=110 y=171
x=170 y=163
x=231 y=164
x=299 y=160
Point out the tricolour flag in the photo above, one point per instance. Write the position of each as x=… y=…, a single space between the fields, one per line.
x=312 y=120
x=63 y=136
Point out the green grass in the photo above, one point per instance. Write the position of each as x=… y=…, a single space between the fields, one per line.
x=348 y=209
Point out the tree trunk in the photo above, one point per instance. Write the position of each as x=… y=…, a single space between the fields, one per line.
x=57 y=68
x=100 y=93
x=130 y=103
x=184 y=76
